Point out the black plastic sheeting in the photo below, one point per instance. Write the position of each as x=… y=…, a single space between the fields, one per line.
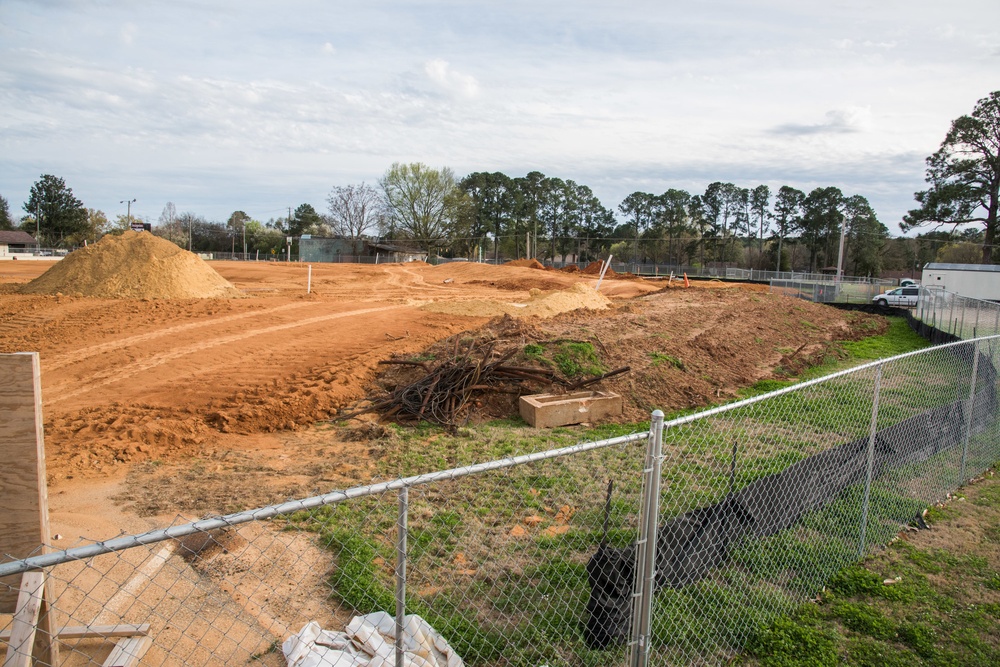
x=693 y=544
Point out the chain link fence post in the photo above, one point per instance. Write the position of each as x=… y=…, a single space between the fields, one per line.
x=969 y=408
x=871 y=460
x=401 y=521
x=961 y=329
x=645 y=571
x=951 y=316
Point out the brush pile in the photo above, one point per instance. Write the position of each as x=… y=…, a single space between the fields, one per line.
x=444 y=393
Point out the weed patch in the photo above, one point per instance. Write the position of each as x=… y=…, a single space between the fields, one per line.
x=661 y=358
x=571 y=359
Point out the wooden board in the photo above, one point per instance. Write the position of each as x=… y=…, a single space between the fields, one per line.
x=25 y=623
x=95 y=631
x=24 y=522
x=128 y=652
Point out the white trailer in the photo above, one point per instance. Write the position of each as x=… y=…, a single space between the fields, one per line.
x=978 y=281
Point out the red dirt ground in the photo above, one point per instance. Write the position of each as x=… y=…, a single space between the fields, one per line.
x=154 y=407
x=127 y=381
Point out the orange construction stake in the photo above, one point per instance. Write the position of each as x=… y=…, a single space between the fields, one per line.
x=687 y=283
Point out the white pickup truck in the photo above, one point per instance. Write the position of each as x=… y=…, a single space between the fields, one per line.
x=901 y=297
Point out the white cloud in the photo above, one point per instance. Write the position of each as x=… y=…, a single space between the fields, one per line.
x=885 y=46
x=845 y=120
x=328 y=48
x=127 y=33
x=440 y=72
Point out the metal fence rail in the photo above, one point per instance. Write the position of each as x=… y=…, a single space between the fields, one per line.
x=532 y=560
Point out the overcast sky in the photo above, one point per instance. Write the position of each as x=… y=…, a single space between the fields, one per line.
x=252 y=105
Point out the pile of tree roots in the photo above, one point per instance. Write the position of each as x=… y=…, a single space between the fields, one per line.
x=444 y=393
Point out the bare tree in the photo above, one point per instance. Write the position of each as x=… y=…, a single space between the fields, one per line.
x=354 y=209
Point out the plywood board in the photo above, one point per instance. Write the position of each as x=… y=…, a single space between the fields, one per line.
x=25 y=624
x=24 y=522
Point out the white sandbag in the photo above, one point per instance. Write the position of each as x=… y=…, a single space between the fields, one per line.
x=370 y=641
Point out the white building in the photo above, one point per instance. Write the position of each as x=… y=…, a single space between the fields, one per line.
x=979 y=281
x=15 y=244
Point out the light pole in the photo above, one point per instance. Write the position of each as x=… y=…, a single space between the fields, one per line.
x=128 y=215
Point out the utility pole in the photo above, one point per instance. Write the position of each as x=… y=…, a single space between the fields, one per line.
x=840 y=254
x=128 y=215
x=38 y=226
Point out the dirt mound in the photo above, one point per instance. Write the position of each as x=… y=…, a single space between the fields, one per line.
x=577 y=297
x=529 y=263
x=570 y=268
x=457 y=274
x=135 y=265
x=685 y=348
x=594 y=269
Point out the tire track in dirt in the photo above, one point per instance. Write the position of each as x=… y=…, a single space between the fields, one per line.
x=38 y=320
x=82 y=354
x=64 y=391
x=418 y=282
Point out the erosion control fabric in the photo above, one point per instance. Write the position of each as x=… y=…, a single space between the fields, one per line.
x=692 y=545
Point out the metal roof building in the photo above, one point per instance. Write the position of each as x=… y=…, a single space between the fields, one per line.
x=979 y=281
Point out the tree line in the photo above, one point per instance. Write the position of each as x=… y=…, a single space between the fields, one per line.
x=492 y=214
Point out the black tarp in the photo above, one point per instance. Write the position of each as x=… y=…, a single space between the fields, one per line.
x=693 y=544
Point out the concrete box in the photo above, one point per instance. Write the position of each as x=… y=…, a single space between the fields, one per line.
x=548 y=410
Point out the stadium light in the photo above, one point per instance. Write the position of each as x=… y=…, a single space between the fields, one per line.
x=128 y=215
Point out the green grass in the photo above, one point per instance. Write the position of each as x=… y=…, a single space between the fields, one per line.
x=899 y=338
x=571 y=359
x=659 y=358
x=939 y=611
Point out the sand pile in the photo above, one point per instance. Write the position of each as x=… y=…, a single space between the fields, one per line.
x=529 y=263
x=541 y=304
x=135 y=265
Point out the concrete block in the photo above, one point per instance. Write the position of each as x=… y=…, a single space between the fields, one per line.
x=548 y=410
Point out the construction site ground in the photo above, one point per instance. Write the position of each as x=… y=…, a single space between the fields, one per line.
x=162 y=410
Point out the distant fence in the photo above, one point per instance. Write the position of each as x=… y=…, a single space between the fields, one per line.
x=714 y=524
x=940 y=315
x=846 y=290
x=644 y=269
x=961 y=317
x=32 y=253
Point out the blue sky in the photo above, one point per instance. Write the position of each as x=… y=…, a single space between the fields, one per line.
x=264 y=105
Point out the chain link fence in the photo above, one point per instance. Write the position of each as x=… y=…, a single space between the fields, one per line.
x=950 y=316
x=828 y=290
x=701 y=530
